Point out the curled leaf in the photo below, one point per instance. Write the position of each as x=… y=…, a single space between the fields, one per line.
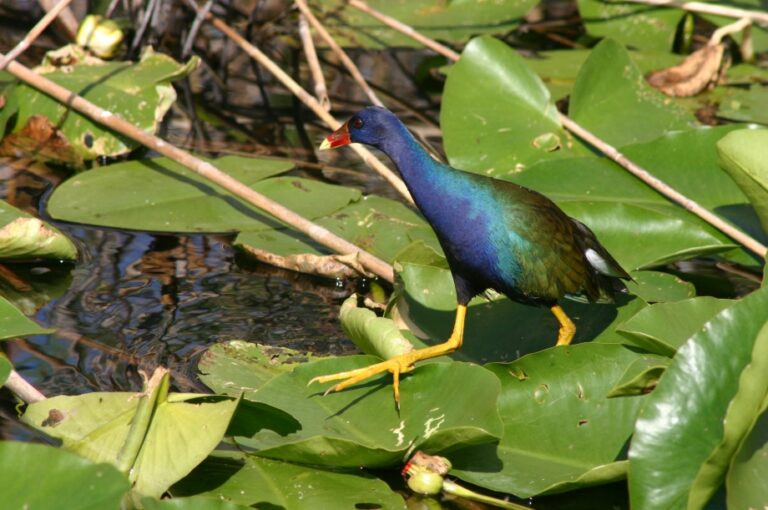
x=31 y=238
x=700 y=70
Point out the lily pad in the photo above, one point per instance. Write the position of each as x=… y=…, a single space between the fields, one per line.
x=140 y=93
x=655 y=286
x=238 y=367
x=24 y=237
x=162 y=196
x=743 y=156
x=264 y=483
x=641 y=376
x=748 y=105
x=190 y=503
x=499 y=329
x=443 y=406
x=13 y=323
x=608 y=82
x=664 y=327
x=495 y=108
x=693 y=398
x=42 y=476
x=645 y=27
x=452 y=21
x=561 y=431
x=101 y=426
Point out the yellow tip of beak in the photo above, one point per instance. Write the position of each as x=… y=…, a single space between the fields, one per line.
x=325 y=145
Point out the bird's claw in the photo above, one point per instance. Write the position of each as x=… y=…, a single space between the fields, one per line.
x=395 y=366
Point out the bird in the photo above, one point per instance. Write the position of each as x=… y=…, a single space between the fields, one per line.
x=495 y=235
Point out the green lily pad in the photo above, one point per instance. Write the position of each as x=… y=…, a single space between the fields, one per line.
x=500 y=329
x=746 y=483
x=609 y=82
x=448 y=21
x=641 y=376
x=264 y=483
x=24 y=237
x=182 y=431
x=645 y=27
x=655 y=286
x=748 y=105
x=561 y=431
x=162 y=196
x=743 y=156
x=140 y=93
x=190 y=503
x=495 y=109
x=13 y=323
x=41 y=476
x=697 y=392
x=239 y=367
x=443 y=406
x=664 y=327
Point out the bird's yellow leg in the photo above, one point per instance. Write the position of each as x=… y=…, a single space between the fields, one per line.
x=567 y=328
x=399 y=364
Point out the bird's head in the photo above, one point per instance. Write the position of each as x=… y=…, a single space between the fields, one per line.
x=369 y=126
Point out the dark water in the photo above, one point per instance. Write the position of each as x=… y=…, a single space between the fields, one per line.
x=135 y=301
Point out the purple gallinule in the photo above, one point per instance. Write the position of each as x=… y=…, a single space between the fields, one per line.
x=495 y=235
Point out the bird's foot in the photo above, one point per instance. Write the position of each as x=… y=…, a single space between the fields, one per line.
x=396 y=366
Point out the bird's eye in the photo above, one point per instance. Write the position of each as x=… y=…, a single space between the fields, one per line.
x=357 y=123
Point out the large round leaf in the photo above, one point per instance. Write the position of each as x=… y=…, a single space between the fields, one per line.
x=496 y=114
x=636 y=26
x=498 y=330
x=680 y=430
x=561 y=431
x=664 y=327
x=162 y=196
x=443 y=406
x=610 y=82
x=38 y=477
x=263 y=483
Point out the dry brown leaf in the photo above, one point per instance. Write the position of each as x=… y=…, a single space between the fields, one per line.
x=40 y=139
x=697 y=72
x=332 y=266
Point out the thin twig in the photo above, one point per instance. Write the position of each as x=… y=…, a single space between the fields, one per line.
x=203 y=168
x=759 y=17
x=405 y=29
x=22 y=389
x=200 y=14
x=666 y=190
x=334 y=46
x=737 y=235
x=307 y=98
x=34 y=33
x=149 y=12
x=66 y=18
x=321 y=91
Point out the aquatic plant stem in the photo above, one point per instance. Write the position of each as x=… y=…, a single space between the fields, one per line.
x=307 y=98
x=321 y=90
x=33 y=34
x=737 y=235
x=22 y=389
x=339 y=51
x=760 y=17
x=203 y=168
x=155 y=392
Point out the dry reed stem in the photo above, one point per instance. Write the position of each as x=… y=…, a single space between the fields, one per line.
x=405 y=29
x=22 y=389
x=205 y=169
x=34 y=33
x=306 y=98
x=334 y=46
x=66 y=18
x=321 y=90
x=737 y=235
x=760 y=17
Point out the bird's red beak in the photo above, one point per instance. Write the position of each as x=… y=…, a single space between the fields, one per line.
x=338 y=138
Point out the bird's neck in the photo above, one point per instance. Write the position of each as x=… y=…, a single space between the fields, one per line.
x=423 y=175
